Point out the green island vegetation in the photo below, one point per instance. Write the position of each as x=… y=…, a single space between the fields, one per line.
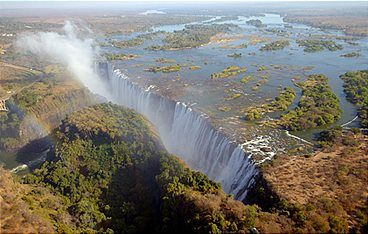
x=229 y=72
x=255 y=88
x=276 y=45
x=165 y=69
x=351 y=55
x=240 y=46
x=164 y=60
x=246 y=79
x=234 y=55
x=224 y=109
x=232 y=46
x=232 y=94
x=280 y=103
x=121 y=56
x=317 y=106
x=256 y=23
x=128 y=43
x=356 y=89
x=195 y=67
x=192 y=36
x=262 y=68
x=279 y=32
x=315 y=45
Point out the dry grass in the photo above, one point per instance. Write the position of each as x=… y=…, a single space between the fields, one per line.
x=339 y=176
x=352 y=25
x=15 y=215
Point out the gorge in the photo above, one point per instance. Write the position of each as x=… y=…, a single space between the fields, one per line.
x=186 y=133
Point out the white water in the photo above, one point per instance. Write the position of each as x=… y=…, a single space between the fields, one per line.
x=187 y=134
x=34 y=162
x=346 y=124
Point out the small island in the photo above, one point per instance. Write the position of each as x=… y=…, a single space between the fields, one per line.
x=127 y=43
x=317 y=106
x=280 y=103
x=164 y=60
x=165 y=69
x=121 y=56
x=229 y=72
x=350 y=55
x=192 y=36
x=276 y=45
x=314 y=45
x=234 y=55
x=256 y=23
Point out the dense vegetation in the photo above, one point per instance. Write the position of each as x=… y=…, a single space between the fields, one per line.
x=111 y=176
x=165 y=69
x=192 y=36
x=128 y=43
x=276 y=45
x=234 y=55
x=256 y=23
x=229 y=72
x=246 y=79
x=318 y=105
x=121 y=56
x=315 y=45
x=281 y=103
x=351 y=55
x=165 y=60
x=9 y=129
x=356 y=89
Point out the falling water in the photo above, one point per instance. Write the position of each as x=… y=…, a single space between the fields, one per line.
x=187 y=134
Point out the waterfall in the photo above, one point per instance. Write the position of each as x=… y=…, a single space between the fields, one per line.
x=187 y=134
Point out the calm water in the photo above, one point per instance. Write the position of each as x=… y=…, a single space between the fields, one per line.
x=213 y=58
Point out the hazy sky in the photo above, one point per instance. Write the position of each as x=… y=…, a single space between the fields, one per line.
x=187 y=0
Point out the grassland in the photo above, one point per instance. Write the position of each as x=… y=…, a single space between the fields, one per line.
x=355 y=25
x=328 y=187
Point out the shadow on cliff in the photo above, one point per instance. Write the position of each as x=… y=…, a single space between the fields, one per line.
x=36 y=152
x=133 y=198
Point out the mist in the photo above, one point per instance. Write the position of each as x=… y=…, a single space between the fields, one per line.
x=78 y=55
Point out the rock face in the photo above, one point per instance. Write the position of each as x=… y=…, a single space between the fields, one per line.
x=187 y=134
x=46 y=115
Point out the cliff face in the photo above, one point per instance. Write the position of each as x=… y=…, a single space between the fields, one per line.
x=27 y=122
x=47 y=114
